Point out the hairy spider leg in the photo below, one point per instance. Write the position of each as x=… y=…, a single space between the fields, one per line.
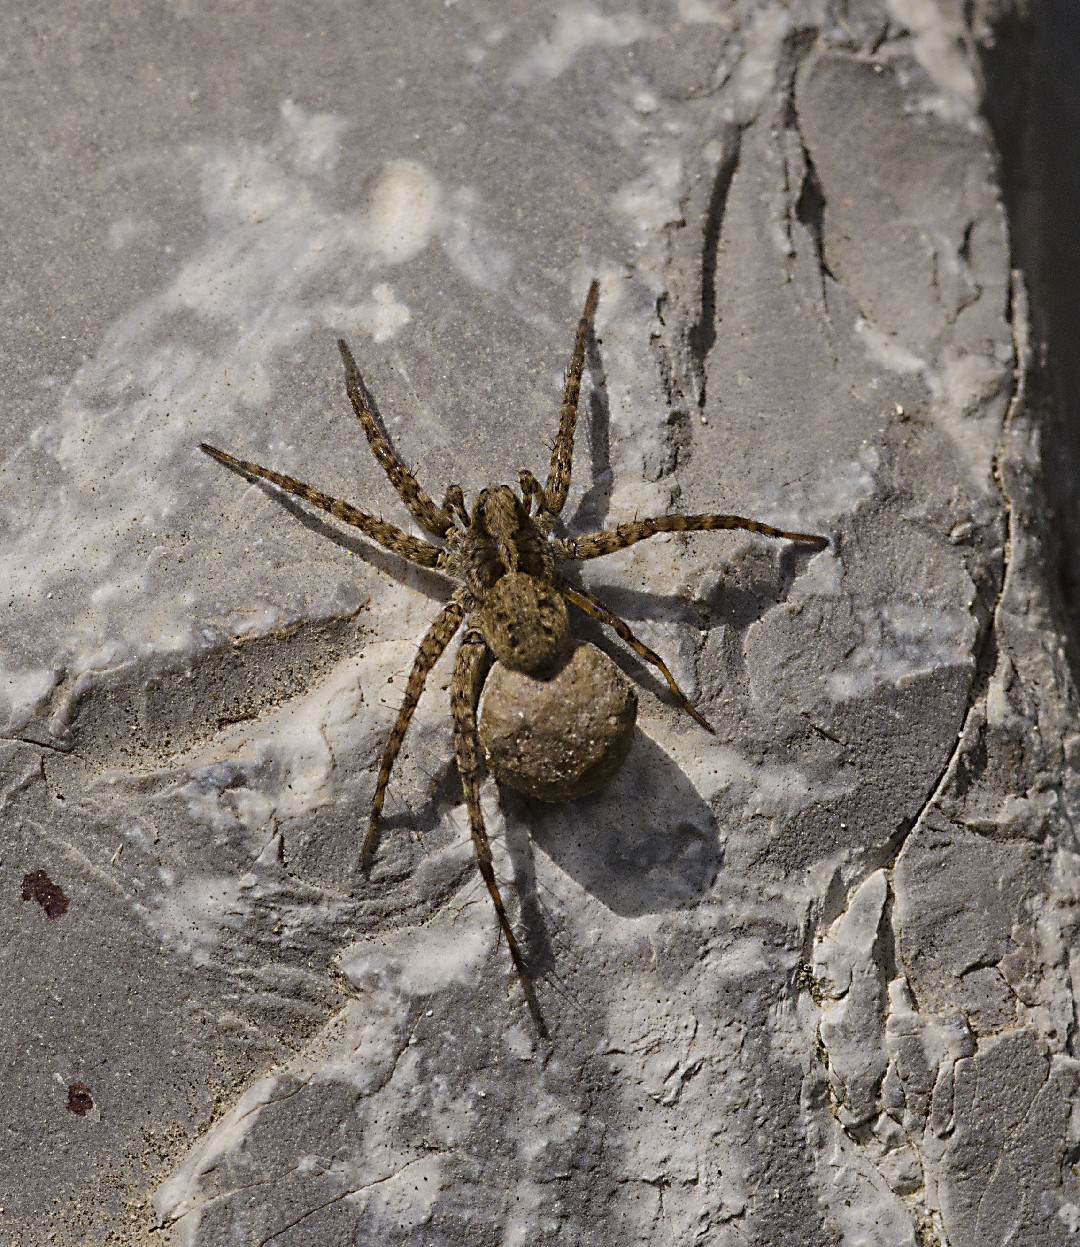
x=469 y=671
x=437 y=520
x=595 y=545
x=591 y=605
x=562 y=452
x=388 y=535
x=435 y=641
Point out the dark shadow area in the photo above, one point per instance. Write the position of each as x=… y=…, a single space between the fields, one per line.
x=396 y=566
x=739 y=599
x=322 y=848
x=591 y=511
x=702 y=335
x=144 y=715
x=1032 y=102
x=430 y=583
x=742 y=596
x=644 y=843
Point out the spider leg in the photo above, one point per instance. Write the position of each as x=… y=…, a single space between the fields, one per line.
x=422 y=508
x=469 y=672
x=562 y=452
x=591 y=605
x=436 y=639
x=388 y=535
x=597 y=544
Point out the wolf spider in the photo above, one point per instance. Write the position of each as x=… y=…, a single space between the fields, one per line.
x=510 y=596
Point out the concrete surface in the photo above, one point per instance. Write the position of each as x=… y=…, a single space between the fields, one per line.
x=810 y=981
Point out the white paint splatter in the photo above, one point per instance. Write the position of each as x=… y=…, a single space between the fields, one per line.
x=756 y=71
x=652 y=201
x=901 y=640
x=962 y=385
x=191 y=915
x=703 y=11
x=471 y=246
x=577 y=28
x=939 y=43
x=448 y=949
x=886 y=350
x=402 y=211
x=316 y=137
x=382 y=316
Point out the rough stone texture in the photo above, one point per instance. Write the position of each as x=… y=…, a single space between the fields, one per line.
x=810 y=981
x=561 y=737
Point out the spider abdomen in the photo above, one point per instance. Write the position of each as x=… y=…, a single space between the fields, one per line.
x=559 y=737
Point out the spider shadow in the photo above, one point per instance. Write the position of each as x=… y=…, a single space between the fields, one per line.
x=645 y=843
x=397 y=567
x=592 y=507
x=738 y=600
x=735 y=604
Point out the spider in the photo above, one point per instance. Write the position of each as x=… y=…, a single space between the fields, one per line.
x=510 y=596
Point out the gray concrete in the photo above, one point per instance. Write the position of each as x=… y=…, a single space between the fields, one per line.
x=810 y=980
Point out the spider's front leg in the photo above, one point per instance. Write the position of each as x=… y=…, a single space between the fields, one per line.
x=454 y=504
x=437 y=520
x=469 y=672
x=532 y=492
x=562 y=452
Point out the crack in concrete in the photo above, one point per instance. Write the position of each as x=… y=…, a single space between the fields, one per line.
x=347 y=1194
x=56 y=746
x=302 y=1083
x=987 y=643
x=891 y=958
x=702 y=335
x=810 y=203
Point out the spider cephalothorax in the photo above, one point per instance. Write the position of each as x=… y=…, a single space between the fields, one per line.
x=507 y=566
x=510 y=596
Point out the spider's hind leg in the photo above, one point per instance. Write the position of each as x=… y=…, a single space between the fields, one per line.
x=591 y=605
x=468 y=677
x=435 y=641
